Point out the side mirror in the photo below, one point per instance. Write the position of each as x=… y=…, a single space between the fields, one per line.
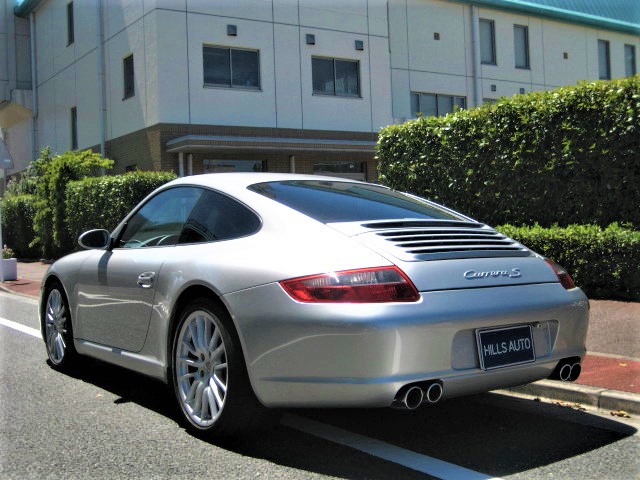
x=95 y=239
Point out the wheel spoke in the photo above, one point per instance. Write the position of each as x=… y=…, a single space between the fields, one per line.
x=212 y=402
x=219 y=383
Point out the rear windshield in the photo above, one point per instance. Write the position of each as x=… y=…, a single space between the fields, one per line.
x=329 y=202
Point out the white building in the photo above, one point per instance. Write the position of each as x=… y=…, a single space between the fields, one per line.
x=281 y=85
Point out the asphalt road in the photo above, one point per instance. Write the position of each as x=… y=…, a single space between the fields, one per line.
x=106 y=422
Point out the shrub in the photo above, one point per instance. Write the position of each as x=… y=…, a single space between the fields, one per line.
x=566 y=156
x=55 y=174
x=102 y=202
x=603 y=262
x=17 y=224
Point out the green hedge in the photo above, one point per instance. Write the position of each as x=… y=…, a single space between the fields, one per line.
x=567 y=156
x=51 y=185
x=18 y=212
x=102 y=202
x=603 y=262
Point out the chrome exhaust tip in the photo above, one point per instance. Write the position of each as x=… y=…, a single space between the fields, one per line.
x=412 y=398
x=565 y=372
x=434 y=392
x=576 y=369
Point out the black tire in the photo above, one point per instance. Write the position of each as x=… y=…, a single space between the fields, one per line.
x=57 y=328
x=210 y=382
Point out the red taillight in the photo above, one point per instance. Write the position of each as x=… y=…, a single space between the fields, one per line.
x=367 y=285
x=563 y=276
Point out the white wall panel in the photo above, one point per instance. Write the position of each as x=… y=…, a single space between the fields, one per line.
x=380 y=83
x=167 y=68
x=377 y=10
x=87 y=100
x=119 y=14
x=324 y=112
x=398 y=45
x=341 y=15
x=246 y=9
x=65 y=98
x=231 y=106
x=285 y=11
x=288 y=89
x=557 y=39
x=45 y=47
x=446 y=55
x=126 y=115
x=46 y=116
x=85 y=14
x=400 y=94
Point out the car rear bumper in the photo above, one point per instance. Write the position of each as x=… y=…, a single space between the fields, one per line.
x=328 y=355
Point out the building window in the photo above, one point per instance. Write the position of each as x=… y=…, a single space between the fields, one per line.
x=604 y=61
x=629 y=60
x=351 y=170
x=74 y=128
x=219 y=166
x=431 y=104
x=335 y=77
x=70 y=35
x=487 y=42
x=231 y=67
x=128 y=77
x=521 y=45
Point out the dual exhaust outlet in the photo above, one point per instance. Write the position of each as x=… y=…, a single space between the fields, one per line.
x=411 y=397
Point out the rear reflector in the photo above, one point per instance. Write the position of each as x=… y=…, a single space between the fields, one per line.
x=563 y=276
x=368 y=285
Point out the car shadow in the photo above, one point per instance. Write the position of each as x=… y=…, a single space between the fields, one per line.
x=495 y=434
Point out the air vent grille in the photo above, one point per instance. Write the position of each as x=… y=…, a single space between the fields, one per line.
x=464 y=240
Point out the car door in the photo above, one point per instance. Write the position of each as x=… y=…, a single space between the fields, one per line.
x=116 y=287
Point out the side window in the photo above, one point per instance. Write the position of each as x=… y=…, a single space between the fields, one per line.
x=160 y=220
x=218 y=217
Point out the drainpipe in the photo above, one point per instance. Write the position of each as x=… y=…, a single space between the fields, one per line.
x=34 y=87
x=475 y=55
x=102 y=87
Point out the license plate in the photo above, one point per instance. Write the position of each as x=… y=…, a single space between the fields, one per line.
x=501 y=347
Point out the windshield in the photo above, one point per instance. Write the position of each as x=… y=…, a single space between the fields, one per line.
x=329 y=202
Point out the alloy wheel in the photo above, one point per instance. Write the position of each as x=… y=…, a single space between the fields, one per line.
x=201 y=368
x=56 y=316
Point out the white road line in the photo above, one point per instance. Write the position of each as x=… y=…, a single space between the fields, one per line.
x=402 y=456
x=18 y=326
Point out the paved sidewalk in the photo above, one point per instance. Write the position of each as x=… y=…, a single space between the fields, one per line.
x=610 y=378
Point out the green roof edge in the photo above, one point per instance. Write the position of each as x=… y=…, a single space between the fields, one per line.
x=555 y=13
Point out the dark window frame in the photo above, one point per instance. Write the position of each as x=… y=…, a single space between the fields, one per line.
x=128 y=77
x=527 y=61
x=230 y=51
x=436 y=95
x=607 y=59
x=70 y=24
x=494 y=56
x=628 y=72
x=335 y=93
x=74 y=128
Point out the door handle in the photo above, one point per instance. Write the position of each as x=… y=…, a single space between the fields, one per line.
x=145 y=280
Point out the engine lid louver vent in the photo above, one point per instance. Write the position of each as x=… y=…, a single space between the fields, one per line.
x=440 y=240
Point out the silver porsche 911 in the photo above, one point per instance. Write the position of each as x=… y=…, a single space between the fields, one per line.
x=248 y=292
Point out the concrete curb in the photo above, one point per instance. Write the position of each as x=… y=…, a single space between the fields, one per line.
x=600 y=398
